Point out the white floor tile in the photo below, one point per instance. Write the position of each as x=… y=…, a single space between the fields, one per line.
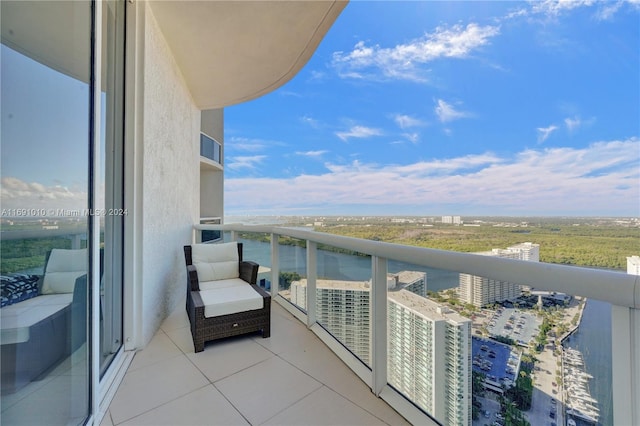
x=159 y=349
x=205 y=406
x=265 y=389
x=149 y=387
x=225 y=357
x=324 y=407
x=182 y=339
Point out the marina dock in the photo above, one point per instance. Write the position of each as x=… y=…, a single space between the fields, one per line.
x=581 y=407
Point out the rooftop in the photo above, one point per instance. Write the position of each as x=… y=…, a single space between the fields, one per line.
x=426 y=308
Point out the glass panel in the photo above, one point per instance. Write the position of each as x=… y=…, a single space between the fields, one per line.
x=210 y=148
x=343 y=299
x=428 y=344
x=110 y=202
x=45 y=139
x=293 y=270
x=256 y=248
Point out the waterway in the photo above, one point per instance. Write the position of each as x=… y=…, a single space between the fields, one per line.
x=593 y=337
x=339 y=266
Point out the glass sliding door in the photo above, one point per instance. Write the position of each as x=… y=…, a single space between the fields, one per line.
x=110 y=199
x=46 y=138
x=62 y=205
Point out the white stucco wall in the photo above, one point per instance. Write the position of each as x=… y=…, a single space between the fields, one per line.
x=170 y=180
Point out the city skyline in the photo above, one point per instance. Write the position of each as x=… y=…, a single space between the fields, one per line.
x=418 y=108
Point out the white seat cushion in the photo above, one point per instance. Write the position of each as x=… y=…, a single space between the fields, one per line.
x=216 y=261
x=230 y=300
x=232 y=282
x=63 y=267
x=17 y=319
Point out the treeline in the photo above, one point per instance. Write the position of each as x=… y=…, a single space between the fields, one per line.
x=20 y=255
x=596 y=246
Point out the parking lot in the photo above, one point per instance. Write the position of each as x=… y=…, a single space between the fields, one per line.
x=515 y=324
x=496 y=361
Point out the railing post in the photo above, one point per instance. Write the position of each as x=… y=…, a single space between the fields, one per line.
x=312 y=275
x=625 y=364
x=234 y=236
x=378 y=313
x=275 y=266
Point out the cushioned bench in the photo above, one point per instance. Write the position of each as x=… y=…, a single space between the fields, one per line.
x=36 y=318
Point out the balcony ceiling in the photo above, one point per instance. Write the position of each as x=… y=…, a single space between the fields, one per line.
x=234 y=51
x=228 y=51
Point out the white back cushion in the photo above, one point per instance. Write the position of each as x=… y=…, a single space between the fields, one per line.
x=216 y=261
x=63 y=268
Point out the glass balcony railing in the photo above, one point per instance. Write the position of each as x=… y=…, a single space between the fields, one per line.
x=403 y=319
x=210 y=148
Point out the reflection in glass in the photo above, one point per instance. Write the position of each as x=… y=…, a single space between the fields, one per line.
x=293 y=270
x=343 y=299
x=45 y=140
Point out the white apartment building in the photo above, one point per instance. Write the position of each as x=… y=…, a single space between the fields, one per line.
x=633 y=265
x=413 y=281
x=429 y=356
x=342 y=307
x=429 y=346
x=455 y=220
x=481 y=291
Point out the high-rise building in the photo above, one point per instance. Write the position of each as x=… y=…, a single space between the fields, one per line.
x=455 y=220
x=429 y=346
x=429 y=356
x=481 y=291
x=528 y=251
x=633 y=265
x=342 y=307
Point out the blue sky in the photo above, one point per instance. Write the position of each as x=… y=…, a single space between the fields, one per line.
x=466 y=108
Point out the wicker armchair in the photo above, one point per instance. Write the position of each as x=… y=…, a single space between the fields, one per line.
x=223 y=299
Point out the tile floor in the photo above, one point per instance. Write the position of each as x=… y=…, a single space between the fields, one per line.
x=291 y=378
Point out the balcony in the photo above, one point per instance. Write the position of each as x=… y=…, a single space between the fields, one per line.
x=210 y=151
x=289 y=378
x=305 y=255
x=246 y=380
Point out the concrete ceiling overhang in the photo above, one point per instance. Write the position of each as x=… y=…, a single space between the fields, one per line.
x=54 y=33
x=234 y=51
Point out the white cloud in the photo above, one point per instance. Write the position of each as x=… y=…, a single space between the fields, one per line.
x=406 y=61
x=310 y=121
x=572 y=123
x=317 y=75
x=604 y=10
x=412 y=137
x=599 y=179
x=16 y=193
x=237 y=143
x=244 y=162
x=556 y=7
x=313 y=154
x=607 y=12
x=359 y=132
x=446 y=112
x=405 y=121
x=545 y=132
x=289 y=93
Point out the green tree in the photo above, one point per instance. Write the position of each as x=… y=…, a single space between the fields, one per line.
x=286 y=278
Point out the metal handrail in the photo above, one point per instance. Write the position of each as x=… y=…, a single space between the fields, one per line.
x=617 y=288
